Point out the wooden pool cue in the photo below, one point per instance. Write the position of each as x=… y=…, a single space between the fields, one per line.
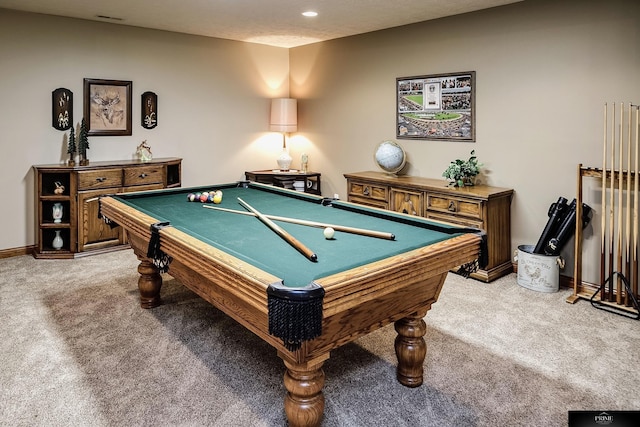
x=282 y=233
x=603 y=217
x=620 y=175
x=343 y=228
x=612 y=200
x=634 y=266
x=628 y=211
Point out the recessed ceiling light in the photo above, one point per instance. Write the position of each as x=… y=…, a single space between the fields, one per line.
x=309 y=14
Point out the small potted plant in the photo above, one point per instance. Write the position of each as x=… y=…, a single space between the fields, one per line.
x=463 y=172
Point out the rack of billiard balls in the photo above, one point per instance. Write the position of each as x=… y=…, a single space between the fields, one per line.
x=213 y=196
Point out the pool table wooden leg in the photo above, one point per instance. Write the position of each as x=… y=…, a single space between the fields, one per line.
x=411 y=349
x=304 y=401
x=149 y=283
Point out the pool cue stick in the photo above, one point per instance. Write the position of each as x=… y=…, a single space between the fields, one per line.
x=634 y=268
x=282 y=233
x=612 y=200
x=633 y=261
x=628 y=211
x=619 y=243
x=343 y=228
x=603 y=217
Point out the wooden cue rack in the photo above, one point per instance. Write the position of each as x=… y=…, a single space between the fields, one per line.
x=619 y=299
x=619 y=228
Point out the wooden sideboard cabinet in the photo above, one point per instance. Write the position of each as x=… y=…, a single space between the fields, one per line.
x=480 y=206
x=77 y=189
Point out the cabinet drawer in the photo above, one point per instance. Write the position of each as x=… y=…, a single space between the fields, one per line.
x=143 y=175
x=454 y=205
x=369 y=191
x=369 y=202
x=103 y=178
x=452 y=219
x=142 y=188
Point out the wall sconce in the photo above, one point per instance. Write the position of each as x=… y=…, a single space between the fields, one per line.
x=284 y=118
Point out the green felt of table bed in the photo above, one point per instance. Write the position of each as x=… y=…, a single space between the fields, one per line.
x=247 y=238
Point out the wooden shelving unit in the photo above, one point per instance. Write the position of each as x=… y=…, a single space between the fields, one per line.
x=82 y=232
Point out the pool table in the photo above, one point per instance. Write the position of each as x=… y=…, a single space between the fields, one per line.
x=303 y=308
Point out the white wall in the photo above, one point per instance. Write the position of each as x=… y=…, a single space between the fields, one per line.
x=213 y=101
x=544 y=71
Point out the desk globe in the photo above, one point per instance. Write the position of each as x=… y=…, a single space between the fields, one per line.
x=390 y=157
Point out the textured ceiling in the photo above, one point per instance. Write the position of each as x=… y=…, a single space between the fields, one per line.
x=272 y=22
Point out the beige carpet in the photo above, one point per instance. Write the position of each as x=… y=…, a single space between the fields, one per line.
x=76 y=350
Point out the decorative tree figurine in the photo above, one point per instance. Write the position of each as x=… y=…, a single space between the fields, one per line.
x=71 y=147
x=83 y=143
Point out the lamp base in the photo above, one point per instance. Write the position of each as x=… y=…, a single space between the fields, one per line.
x=284 y=161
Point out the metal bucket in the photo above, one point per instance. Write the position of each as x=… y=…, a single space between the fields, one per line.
x=538 y=272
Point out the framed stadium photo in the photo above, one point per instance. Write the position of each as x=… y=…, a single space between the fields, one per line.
x=436 y=107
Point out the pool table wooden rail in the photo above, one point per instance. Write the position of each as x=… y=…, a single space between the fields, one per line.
x=398 y=289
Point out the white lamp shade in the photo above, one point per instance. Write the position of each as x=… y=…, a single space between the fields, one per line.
x=284 y=115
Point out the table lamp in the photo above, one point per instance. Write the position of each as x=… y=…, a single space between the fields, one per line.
x=284 y=118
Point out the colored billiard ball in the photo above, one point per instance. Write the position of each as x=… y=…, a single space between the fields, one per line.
x=328 y=233
x=217 y=197
x=204 y=197
x=191 y=197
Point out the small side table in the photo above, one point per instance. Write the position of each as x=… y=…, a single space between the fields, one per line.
x=308 y=182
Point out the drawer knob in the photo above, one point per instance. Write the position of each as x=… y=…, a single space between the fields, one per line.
x=365 y=191
x=143 y=175
x=452 y=206
x=101 y=179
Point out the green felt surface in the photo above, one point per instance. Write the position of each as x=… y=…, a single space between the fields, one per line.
x=247 y=238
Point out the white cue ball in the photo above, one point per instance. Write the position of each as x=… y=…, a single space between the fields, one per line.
x=328 y=233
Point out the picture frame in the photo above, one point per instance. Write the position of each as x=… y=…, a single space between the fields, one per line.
x=107 y=107
x=62 y=109
x=436 y=107
x=149 y=110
